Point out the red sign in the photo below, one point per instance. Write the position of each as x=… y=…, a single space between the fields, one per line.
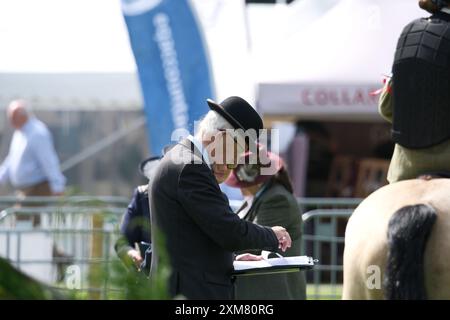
x=337 y=97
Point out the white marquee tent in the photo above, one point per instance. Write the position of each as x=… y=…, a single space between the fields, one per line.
x=327 y=69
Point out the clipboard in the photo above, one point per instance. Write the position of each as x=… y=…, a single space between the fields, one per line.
x=268 y=265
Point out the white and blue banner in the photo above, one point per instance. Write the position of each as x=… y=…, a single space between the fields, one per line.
x=172 y=64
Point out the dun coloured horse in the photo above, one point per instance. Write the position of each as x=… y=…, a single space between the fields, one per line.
x=400 y=234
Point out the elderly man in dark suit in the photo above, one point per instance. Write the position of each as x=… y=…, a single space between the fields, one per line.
x=200 y=230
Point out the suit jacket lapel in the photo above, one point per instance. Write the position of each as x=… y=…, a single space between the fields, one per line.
x=252 y=212
x=239 y=211
x=188 y=144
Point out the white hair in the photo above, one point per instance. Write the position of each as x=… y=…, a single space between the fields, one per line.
x=22 y=105
x=211 y=124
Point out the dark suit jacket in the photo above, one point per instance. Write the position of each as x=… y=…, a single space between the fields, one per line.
x=136 y=220
x=135 y=226
x=200 y=230
x=275 y=206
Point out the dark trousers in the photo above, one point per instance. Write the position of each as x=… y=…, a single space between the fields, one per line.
x=41 y=189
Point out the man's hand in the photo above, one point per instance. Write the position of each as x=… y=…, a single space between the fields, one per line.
x=284 y=239
x=248 y=257
x=135 y=256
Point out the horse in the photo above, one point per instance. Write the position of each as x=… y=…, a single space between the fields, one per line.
x=397 y=243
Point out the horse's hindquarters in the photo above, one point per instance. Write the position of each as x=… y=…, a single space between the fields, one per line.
x=366 y=241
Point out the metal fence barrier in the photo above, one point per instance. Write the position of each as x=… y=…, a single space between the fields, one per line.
x=331 y=287
x=114 y=201
x=57 y=233
x=81 y=232
x=324 y=223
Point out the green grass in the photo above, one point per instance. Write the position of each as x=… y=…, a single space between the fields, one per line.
x=324 y=292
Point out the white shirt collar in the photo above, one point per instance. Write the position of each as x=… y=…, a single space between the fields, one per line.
x=446 y=10
x=200 y=147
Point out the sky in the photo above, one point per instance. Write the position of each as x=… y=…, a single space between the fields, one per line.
x=58 y=36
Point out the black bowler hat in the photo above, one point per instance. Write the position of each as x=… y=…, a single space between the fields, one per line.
x=239 y=113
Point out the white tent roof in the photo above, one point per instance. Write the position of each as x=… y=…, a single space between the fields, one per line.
x=87 y=91
x=270 y=26
x=327 y=69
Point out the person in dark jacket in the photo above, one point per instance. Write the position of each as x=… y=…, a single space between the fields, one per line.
x=133 y=246
x=270 y=201
x=189 y=211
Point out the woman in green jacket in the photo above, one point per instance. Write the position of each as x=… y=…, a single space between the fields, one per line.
x=269 y=201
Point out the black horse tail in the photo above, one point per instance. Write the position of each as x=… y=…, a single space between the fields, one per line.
x=408 y=232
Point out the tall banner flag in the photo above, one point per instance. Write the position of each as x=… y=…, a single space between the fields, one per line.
x=172 y=65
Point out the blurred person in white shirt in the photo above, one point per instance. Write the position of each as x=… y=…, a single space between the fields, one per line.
x=32 y=165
